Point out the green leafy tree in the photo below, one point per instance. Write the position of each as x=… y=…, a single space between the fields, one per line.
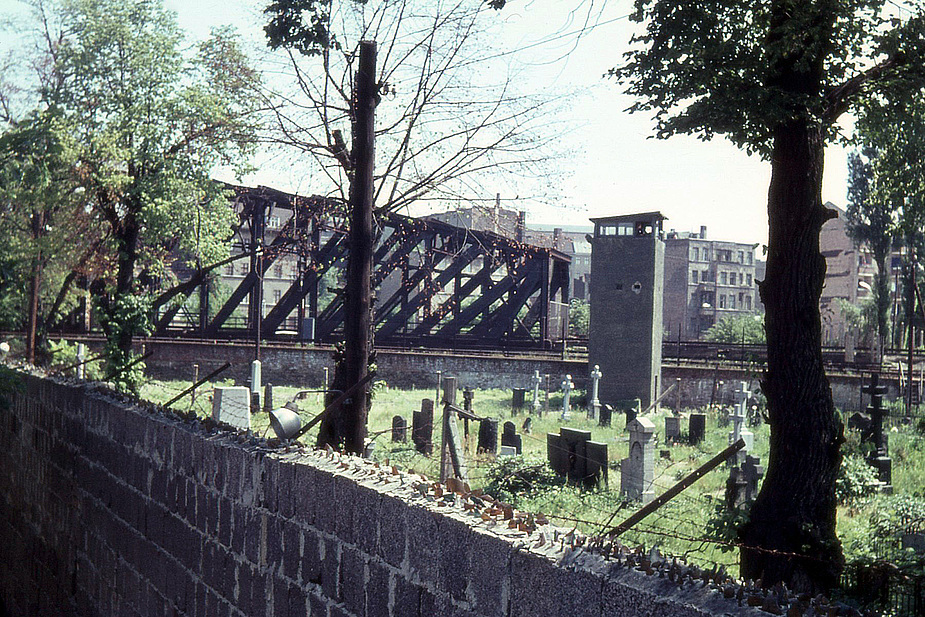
x=150 y=126
x=871 y=221
x=44 y=226
x=748 y=329
x=774 y=77
x=579 y=317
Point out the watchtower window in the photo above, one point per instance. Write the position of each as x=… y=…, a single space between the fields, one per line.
x=643 y=228
x=625 y=229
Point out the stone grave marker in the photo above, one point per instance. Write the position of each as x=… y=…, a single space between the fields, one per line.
x=738 y=427
x=594 y=405
x=509 y=437
x=232 y=405
x=568 y=454
x=508 y=451
x=606 y=415
x=672 y=428
x=517 y=401
x=567 y=386
x=422 y=427
x=697 y=428
x=879 y=459
x=915 y=541
x=399 y=429
x=468 y=397
x=735 y=489
x=637 y=471
x=753 y=472
x=268 y=398
x=488 y=436
x=537 y=380
x=527 y=426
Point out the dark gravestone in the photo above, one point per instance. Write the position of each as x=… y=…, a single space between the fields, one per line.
x=509 y=437
x=527 y=426
x=399 y=429
x=606 y=414
x=468 y=396
x=879 y=459
x=753 y=471
x=556 y=454
x=859 y=422
x=596 y=463
x=488 y=436
x=697 y=428
x=735 y=489
x=422 y=428
x=517 y=402
x=268 y=398
x=631 y=414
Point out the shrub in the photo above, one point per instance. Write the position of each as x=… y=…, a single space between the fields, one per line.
x=855 y=480
x=512 y=476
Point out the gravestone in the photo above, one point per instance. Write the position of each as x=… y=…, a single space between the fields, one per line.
x=594 y=404
x=537 y=380
x=696 y=428
x=914 y=541
x=509 y=437
x=606 y=415
x=508 y=451
x=637 y=471
x=268 y=398
x=527 y=426
x=879 y=458
x=672 y=428
x=517 y=402
x=738 y=427
x=399 y=429
x=232 y=405
x=422 y=427
x=488 y=436
x=571 y=453
x=468 y=396
x=735 y=489
x=567 y=386
x=753 y=472
x=81 y=365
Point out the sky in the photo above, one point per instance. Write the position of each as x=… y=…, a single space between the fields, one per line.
x=611 y=164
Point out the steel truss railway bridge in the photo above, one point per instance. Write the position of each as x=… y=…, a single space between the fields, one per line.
x=436 y=284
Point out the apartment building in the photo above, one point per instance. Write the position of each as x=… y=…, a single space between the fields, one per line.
x=706 y=281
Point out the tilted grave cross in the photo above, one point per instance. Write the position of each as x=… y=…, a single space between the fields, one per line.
x=594 y=404
x=567 y=386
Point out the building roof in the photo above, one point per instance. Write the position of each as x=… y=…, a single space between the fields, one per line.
x=630 y=217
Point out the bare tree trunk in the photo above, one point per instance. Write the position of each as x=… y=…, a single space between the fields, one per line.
x=795 y=512
x=347 y=427
x=35 y=287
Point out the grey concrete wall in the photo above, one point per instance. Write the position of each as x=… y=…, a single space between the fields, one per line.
x=109 y=508
x=303 y=366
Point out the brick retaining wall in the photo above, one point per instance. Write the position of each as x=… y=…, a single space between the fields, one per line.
x=109 y=508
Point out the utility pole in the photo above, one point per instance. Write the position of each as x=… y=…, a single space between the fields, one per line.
x=348 y=424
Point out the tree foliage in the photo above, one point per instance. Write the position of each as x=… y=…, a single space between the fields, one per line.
x=774 y=77
x=150 y=124
x=748 y=329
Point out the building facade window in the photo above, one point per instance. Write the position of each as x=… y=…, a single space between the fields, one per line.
x=722 y=278
x=741 y=256
x=748 y=280
x=748 y=303
x=695 y=254
x=722 y=301
x=693 y=276
x=732 y=278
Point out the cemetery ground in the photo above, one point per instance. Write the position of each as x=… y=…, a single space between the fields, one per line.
x=695 y=525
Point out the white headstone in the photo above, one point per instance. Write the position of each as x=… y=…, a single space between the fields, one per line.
x=537 y=380
x=594 y=405
x=637 y=471
x=256 y=377
x=232 y=405
x=738 y=422
x=81 y=356
x=567 y=386
x=507 y=451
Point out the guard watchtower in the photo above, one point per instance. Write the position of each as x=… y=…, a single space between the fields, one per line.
x=627 y=280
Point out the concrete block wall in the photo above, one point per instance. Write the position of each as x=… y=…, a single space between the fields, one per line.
x=109 y=508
